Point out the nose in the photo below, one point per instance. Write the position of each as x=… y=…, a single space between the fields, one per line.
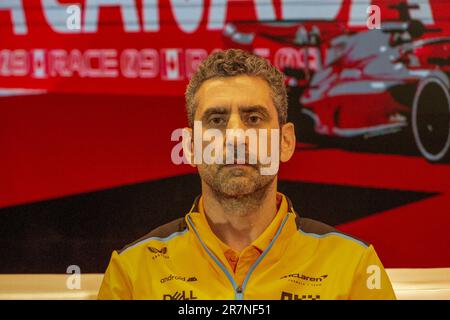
x=235 y=122
x=236 y=128
x=236 y=139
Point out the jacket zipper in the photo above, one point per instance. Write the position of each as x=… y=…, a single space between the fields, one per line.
x=239 y=290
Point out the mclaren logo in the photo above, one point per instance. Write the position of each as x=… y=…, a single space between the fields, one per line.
x=305 y=280
x=158 y=252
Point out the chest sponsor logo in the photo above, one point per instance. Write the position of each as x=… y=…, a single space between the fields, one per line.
x=176 y=277
x=304 y=280
x=293 y=296
x=162 y=252
x=180 y=295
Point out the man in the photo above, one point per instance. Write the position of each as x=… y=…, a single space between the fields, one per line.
x=242 y=239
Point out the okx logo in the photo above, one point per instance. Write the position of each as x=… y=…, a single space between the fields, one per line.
x=291 y=296
x=180 y=295
x=158 y=252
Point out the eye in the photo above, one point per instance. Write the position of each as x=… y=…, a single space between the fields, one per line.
x=216 y=121
x=254 y=119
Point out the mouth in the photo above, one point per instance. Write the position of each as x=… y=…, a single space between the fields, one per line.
x=238 y=166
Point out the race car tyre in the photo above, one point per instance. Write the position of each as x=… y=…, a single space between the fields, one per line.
x=431 y=119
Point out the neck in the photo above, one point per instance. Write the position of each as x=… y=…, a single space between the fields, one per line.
x=238 y=221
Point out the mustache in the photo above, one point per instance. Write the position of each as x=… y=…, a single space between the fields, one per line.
x=244 y=158
x=239 y=150
x=231 y=154
x=245 y=162
x=255 y=167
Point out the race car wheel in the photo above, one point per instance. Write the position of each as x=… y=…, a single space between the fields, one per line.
x=431 y=119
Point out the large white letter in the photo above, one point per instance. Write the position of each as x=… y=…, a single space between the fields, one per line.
x=58 y=16
x=188 y=14
x=273 y=160
x=198 y=142
x=424 y=13
x=307 y=9
x=217 y=13
x=127 y=9
x=213 y=152
x=358 y=12
x=151 y=15
x=265 y=10
x=17 y=15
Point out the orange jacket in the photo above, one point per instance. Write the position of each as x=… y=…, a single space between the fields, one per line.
x=294 y=258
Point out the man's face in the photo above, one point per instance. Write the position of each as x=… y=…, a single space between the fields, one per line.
x=233 y=103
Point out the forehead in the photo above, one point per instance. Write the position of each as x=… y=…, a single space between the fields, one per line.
x=234 y=92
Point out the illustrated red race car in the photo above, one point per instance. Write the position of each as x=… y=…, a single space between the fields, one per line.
x=366 y=83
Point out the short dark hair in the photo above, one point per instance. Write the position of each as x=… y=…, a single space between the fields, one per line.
x=234 y=62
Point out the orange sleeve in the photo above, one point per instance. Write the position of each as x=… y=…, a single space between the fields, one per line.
x=371 y=281
x=116 y=284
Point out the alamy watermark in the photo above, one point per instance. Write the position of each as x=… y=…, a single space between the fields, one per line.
x=374 y=17
x=213 y=146
x=73 y=281
x=374 y=278
x=73 y=21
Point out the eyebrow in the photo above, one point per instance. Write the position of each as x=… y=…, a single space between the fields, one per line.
x=215 y=110
x=255 y=108
x=243 y=109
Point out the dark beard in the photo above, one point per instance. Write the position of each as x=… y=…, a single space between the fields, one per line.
x=238 y=198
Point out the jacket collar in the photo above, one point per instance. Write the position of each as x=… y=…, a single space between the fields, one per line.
x=281 y=228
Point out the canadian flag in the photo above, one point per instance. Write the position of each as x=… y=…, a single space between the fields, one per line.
x=39 y=68
x=171 y=64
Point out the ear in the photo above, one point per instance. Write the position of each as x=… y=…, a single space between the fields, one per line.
x=188 y=146
x=287 y=141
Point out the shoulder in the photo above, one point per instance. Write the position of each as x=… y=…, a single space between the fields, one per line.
x=163 y=233
x=319 y=230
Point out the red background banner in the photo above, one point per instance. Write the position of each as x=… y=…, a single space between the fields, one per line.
x=93 y=108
